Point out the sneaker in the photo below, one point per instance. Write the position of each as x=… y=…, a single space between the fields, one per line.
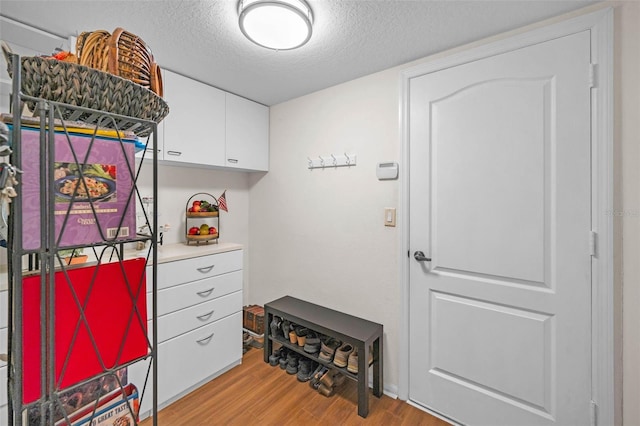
x=284 y=325
x=283 y=363
x=341 y=357
x=312 y=345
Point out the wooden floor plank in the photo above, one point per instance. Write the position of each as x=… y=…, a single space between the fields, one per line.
x=254 y=393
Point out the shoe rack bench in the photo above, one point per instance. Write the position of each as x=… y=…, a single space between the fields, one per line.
x=360 y=333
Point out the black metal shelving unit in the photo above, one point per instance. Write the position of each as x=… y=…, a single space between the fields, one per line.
x=53 y=404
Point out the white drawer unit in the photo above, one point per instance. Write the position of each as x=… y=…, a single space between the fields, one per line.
x=197 y=355
x=184 y=320
x=199 y=324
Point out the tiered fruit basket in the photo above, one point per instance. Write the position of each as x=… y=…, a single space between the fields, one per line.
x=202 y=222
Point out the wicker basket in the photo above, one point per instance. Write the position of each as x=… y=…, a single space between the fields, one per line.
x=121 y=53
x=78 y=85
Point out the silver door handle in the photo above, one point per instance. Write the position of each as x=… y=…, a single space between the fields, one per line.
x=420 y=257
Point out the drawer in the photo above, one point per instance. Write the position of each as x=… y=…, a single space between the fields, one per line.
x=4 y=306
x=182 y=321
x=182 y=296
x=197 y=268
x=192 y=357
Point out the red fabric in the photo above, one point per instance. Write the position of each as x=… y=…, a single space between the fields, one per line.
x=110 y=316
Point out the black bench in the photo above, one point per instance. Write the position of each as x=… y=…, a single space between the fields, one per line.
x=358 y=332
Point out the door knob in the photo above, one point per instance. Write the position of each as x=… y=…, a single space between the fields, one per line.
x=420 y=257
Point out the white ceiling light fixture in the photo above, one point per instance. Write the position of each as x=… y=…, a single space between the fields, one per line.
x=276 y=24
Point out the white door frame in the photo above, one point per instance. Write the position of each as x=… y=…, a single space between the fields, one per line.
x=600 y=23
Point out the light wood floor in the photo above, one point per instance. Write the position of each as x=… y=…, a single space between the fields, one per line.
x=255 y=393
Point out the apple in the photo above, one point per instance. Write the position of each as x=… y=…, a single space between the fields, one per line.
x=212 y=230
x=194 y=230
x=190 y=209
x=196 y=203
x=196 y=208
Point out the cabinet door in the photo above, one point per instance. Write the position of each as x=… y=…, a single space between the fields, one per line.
x=149 y=150
x=247 y=134
x=194 y=130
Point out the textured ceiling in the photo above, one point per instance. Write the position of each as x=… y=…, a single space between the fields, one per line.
x=351 y=38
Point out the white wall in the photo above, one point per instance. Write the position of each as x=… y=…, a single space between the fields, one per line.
x=319 y=235
x=176 y=184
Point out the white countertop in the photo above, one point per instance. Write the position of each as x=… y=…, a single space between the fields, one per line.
x=181 y=251
x=166 y=253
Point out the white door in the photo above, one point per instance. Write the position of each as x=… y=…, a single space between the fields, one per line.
x=500 y=193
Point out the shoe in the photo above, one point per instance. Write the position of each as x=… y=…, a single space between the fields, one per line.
x=292 y=364
x=328 y=348
x=274 y=359
x=312 y=344
x=284 y=325
x=338 y=380
x=327 y=379
x=315 y=377
x=341 y=357
x=276 y=327
x=283 y=363
x=301 y=333
x=352 y=365
x=293 y=338
x=324 y=390
x=305 y=369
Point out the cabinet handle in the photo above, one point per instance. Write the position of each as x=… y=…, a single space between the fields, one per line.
x=206 y=269
x=174 y=152
x=232 y=160
x=205 y=317
x=151 y=150
x=206 y=293
x=205 y=340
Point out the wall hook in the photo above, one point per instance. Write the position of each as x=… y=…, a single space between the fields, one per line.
x=321 y=161
x=348 y=159
x=335 y=160
x=310 y=162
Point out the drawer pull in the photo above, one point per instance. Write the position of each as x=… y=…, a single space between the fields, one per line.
x=205 y=317
x=232 y=160
x=206 y=293
x=206 y=269
x=178 y=153
x=205 y=340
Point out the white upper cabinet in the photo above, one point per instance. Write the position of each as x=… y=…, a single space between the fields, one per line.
x=194 y=130
x=247 y=141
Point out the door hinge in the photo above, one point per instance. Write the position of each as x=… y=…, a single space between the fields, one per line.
x=593 y=75
x=594 y=413
x=593 y=243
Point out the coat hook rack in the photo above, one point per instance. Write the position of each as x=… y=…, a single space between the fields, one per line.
x=331 y=161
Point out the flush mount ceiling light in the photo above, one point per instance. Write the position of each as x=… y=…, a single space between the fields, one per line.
x=276 y=24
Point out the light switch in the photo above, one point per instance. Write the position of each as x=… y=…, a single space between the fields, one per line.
x=389 y=216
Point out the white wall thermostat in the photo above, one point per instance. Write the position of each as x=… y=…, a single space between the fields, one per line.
x=386 y=171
